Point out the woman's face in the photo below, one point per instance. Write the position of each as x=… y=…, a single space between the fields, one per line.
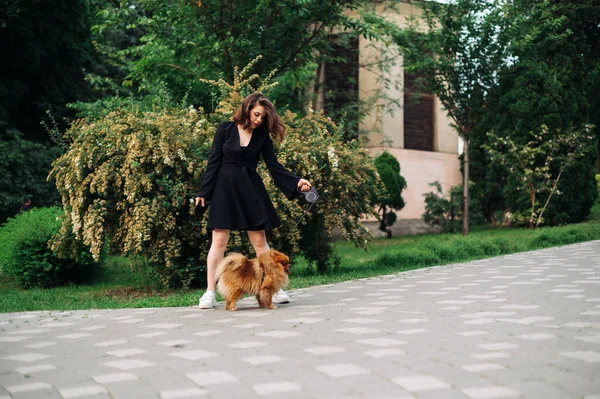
x=257 y=116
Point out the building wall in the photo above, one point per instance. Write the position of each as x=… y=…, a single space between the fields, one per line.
x=382 y=130
x=420 y=168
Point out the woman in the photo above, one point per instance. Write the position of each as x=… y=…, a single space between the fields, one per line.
x=237 y=195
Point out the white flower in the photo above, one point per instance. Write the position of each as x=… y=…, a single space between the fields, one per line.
x=333 y=159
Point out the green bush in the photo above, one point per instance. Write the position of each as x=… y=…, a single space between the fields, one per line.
x=128 y=177
x=446 y=213
x=26 y=257
x=598 y=188
x=578 y=189
x=388 y=169
x=24 y=165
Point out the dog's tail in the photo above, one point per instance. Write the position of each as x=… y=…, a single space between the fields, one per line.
x=231 y=262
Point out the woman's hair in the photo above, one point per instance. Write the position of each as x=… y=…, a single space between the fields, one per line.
x=272 y=121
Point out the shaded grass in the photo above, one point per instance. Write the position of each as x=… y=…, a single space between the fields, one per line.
x=116 y=286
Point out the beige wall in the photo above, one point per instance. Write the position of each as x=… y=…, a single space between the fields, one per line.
x=420 y=168
x=380 y=127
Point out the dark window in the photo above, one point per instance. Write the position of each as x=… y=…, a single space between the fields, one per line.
x=340 y=84
x=418 y=116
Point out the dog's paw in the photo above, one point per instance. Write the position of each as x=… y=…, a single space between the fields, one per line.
x=271 y=306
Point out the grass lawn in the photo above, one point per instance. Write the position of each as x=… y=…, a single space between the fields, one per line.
x=116 y=286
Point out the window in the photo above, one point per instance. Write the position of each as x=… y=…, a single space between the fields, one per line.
x=340 y=84
x=419 y=128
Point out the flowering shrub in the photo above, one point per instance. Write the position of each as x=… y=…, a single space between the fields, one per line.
x=538 y=165
x=130 y=177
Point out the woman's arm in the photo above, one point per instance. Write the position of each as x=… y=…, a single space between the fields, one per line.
x=285 y=180
x=212 y=168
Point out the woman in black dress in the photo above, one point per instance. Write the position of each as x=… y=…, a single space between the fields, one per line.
x=237 y=195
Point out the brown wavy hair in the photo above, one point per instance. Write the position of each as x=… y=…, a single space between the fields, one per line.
x=272 y=122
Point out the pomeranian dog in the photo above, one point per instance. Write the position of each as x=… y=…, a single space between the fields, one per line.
x=263 y=277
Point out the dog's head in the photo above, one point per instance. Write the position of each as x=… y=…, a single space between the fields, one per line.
x=281 y=260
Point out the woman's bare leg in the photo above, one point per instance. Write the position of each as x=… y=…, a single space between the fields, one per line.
x=258 y=239
x=220 y=238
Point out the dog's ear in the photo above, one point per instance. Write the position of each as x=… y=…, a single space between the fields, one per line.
x=278 y=257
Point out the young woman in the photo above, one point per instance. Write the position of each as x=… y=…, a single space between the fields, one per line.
x=237 y=195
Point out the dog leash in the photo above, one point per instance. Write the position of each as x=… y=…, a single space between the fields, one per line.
x=311 y=196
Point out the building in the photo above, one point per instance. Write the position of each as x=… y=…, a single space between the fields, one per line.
x=418 y=132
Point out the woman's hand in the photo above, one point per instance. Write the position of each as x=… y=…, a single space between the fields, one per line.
x=304 y=185
x=200 y=200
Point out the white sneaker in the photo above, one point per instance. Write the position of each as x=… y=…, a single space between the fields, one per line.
x=207 y=301
x=281 y=297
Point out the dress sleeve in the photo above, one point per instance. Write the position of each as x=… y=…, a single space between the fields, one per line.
x=214 y=162
x=285 y=180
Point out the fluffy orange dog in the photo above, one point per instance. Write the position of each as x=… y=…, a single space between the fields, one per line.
x=262 y=277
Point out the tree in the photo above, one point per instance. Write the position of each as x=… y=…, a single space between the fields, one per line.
x=181 y=41
x=25 y=165
x=459 y=57
x=45 y=49
x=549 y=81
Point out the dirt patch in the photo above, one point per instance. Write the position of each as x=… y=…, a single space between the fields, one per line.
x=127 y=293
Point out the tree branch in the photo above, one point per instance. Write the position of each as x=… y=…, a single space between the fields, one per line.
x=304 y=44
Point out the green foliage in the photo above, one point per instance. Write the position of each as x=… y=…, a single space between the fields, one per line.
x=598 y=187
x=458 y=60
x=46 y=49
x=316 y=246
x=459 y=249
x=26 y=257
x=565 y=235
x=446 y=211
x=536 y=167
x=579 y=192
x=177 y=43
x=551 y=81
x=129 y=177
x=440 y=252
x=388 y=169
x=24 y=165
x=595 y=212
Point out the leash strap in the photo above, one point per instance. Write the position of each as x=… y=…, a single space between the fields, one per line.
x=304 y=214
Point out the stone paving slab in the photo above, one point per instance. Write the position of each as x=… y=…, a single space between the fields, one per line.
x=519 y=326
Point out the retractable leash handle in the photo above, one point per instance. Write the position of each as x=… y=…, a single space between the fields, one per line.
x=311 y=195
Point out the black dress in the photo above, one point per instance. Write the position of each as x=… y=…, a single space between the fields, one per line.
x=237 y=195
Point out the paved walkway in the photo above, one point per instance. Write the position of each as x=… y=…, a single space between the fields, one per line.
x=524 y=326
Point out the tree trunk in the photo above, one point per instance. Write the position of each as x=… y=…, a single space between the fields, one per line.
x=466 y=187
